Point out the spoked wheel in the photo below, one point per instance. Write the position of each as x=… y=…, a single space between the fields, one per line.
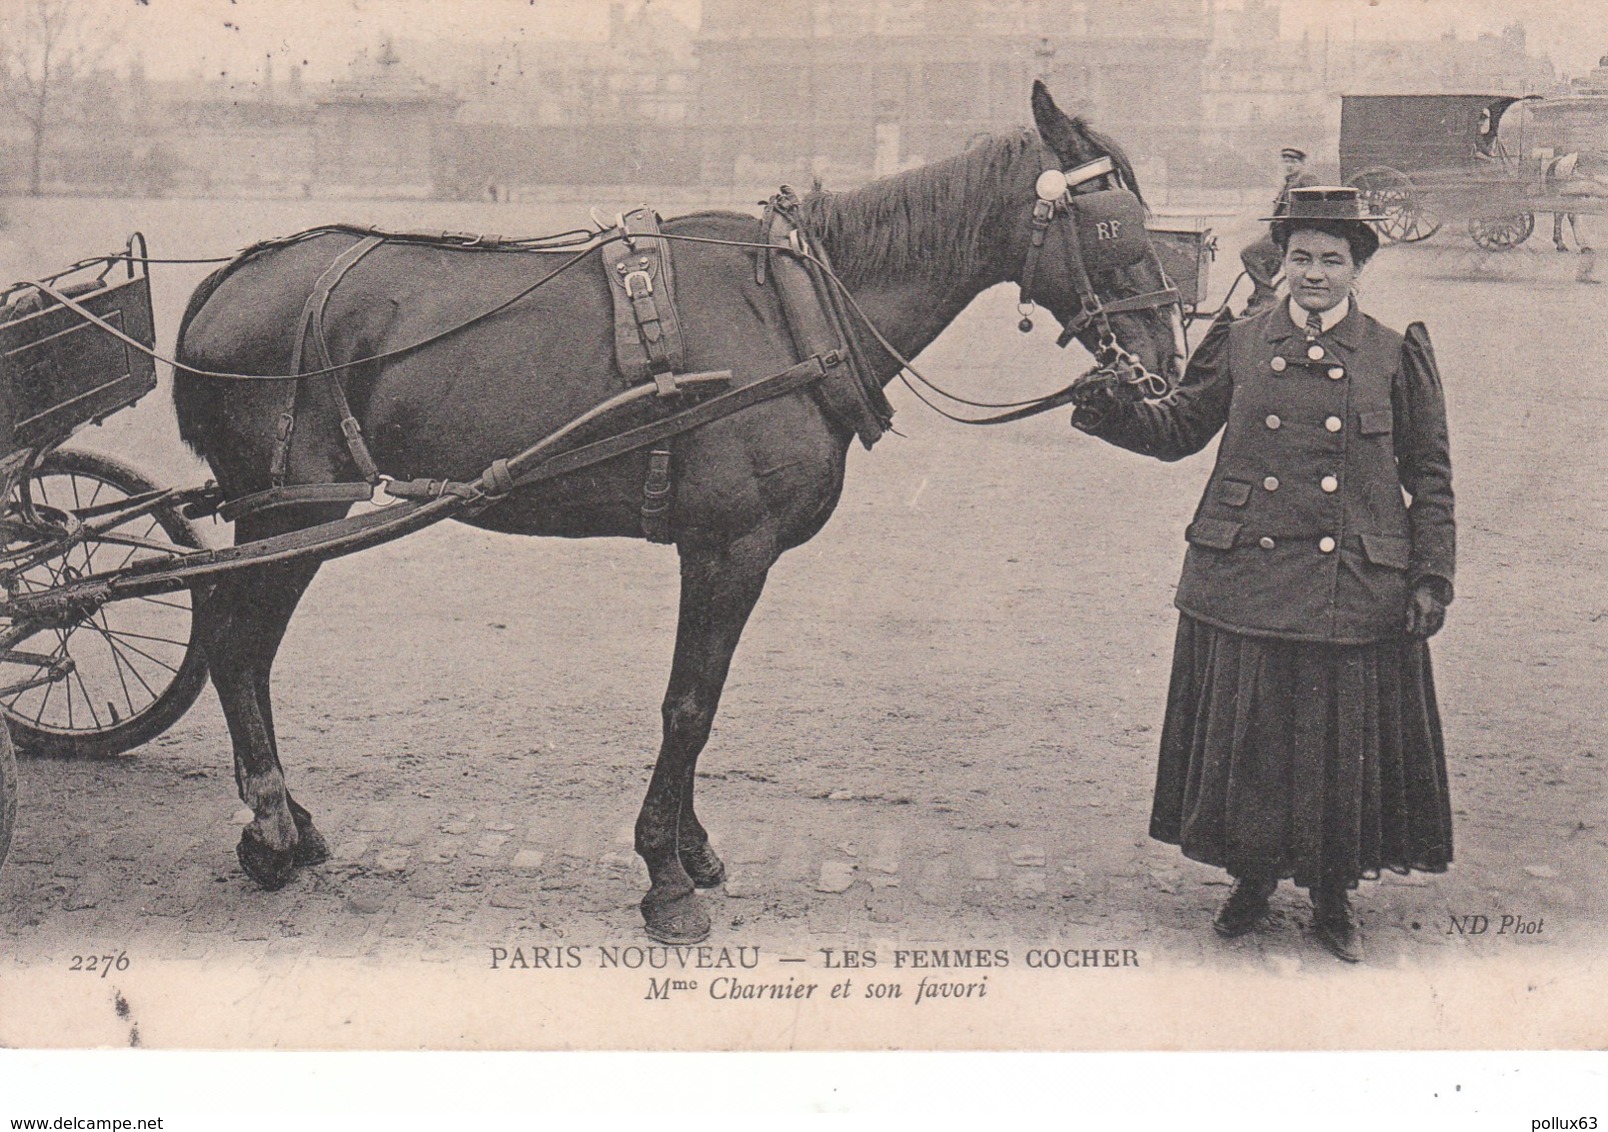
x=1392 y=194
x=1501 y=233
x=8 y=793
x=135 y=665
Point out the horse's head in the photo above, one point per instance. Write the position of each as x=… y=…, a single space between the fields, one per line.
x=1088 y=258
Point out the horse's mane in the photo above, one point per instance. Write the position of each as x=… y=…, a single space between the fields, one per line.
x=892 y=221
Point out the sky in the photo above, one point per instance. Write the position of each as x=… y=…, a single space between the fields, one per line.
x=180 y=38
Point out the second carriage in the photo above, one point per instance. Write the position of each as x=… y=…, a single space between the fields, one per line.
x=1475 y=161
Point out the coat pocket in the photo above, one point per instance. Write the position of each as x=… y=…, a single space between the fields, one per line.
x=1376 y=423
x=1233 y=492
x=1215 y=534
x=1389 y=551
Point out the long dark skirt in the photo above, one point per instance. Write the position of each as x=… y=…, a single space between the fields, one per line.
x=1324 y=763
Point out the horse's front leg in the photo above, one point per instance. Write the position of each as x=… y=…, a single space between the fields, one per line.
x=719 y=587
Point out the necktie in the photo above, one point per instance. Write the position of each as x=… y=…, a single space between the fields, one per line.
x=1314 y=324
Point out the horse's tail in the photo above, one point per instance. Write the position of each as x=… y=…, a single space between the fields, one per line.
x=189 y=401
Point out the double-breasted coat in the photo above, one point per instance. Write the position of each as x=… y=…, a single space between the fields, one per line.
x=1302 y=735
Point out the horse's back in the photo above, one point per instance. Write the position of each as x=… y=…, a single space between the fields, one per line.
x=534 y=350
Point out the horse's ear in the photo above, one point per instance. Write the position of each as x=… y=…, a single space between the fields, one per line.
x=1059 y=132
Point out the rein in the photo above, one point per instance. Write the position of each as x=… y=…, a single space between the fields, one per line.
x=1054 y=188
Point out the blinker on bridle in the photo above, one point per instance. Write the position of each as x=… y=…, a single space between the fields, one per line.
x=1054 y=191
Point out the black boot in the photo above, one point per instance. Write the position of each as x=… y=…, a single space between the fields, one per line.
x=1245 y=907
x=1335 y=923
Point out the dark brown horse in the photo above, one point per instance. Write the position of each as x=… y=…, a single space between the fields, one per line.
x=914 y=249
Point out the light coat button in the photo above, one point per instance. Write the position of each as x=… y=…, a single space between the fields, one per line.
x=1273 y=420
x=1278 y=365
x=1336 y=373
x=1265 y=543
x=1326 y=544
x=1315 y=352
x=1271 y=483
x=1332 y=424
x=1329 y=484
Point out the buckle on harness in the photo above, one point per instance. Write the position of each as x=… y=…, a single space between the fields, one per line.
x=634 y=280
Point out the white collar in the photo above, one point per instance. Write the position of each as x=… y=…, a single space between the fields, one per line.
x=1331 y=317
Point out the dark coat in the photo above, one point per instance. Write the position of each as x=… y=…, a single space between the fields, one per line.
x=1300 y=179
x=1302 y=533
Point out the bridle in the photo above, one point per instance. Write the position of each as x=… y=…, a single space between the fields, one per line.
x=1056 y=190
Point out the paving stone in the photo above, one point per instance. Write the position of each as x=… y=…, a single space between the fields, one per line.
x=1028 y=887
x=1028 y=857
x=835 y=876
x=394 y=860
x=367 y=898
x=749 y=851
x=886 y=907
x=374 y=819
x=407 y=837
x=425 y=884
x=885 y=857
x=500 y=826
x=490 y=845
x=981 y=866
x=352 y=850
x=879 y=881
x=934 y=885
x=530 y=859
x=1542 y=872
x=510 y=896
x=443 y=851
x=457 y=826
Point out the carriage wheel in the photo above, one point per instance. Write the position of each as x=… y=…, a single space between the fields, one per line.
x=8 y=793
x=137 y=666
x=1393 y=195
x=1501 y=233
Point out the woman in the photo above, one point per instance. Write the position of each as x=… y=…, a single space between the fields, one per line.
x=1302 y=738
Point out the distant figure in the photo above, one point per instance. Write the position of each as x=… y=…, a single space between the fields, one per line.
x=1565 y=178
x=1263 y=258
x=1485 y=138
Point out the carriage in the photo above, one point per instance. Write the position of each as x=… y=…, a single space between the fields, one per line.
x=1427 y=160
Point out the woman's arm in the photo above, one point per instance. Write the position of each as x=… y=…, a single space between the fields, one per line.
x=1178 y=427
x=1424 y=463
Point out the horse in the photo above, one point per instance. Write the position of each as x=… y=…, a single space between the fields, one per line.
x=1566 y=176
x=912 y=249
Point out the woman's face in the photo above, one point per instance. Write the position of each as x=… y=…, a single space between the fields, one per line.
x=1320 y=269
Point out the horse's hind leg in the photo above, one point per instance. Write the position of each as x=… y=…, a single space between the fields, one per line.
x=242 y=622
x=718 y=590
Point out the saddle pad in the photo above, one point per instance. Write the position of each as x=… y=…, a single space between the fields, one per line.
x=647 y=332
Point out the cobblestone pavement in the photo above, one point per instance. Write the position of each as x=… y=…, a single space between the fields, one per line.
x=940 y=726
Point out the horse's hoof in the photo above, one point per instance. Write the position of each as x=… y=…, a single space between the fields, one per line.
x=311 y=848
x=703 y=866
x=270 y=868
x=678 y=921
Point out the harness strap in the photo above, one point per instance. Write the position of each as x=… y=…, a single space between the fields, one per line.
x=647 y=331
x=656 y=491
x=310 y=343
x=293 y=494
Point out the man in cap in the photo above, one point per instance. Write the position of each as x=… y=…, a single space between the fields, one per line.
x=1263 y=258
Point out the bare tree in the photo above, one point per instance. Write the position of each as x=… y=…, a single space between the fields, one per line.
x=43 y=44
